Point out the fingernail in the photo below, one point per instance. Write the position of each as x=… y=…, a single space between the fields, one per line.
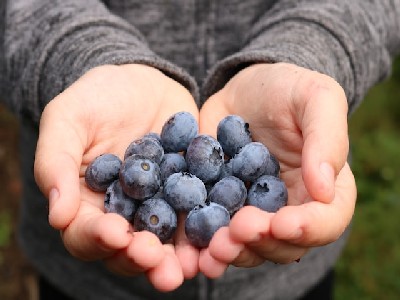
x=54 y=195
x=327 y=172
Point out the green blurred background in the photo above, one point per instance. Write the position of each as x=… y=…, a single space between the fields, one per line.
x=370 y=265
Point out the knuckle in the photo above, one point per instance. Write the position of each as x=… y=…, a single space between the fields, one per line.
x=312 y=84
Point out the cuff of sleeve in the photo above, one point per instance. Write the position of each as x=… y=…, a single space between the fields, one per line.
x=305 y=44
x=82 y=47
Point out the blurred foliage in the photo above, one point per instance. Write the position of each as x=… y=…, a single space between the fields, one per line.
x=5 y=228
x=370 y=265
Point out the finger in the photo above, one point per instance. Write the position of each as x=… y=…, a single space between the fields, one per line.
x=249 y=224
x=269 y=249
x=248 y=258
x=94 y=235
x=187 y=254
x=122 y=265
x=223 y=248
x=144 y=252
x=209 y=266
x=211 y=113
x=57 y=160
x=322 y=112
x=315 y=223
x=168 y=275
x=221 y=251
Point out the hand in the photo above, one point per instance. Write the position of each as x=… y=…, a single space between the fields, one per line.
x=301 y=116
x=103 y=112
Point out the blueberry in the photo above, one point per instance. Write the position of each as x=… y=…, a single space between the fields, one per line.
x=160 y=193
x=251 y=162
x=140 y=177
x=233 y=134
x=183 y=191
x=156 y=216
x=148 y=147
x=230 y=192
x=153 y=135
x=203 y=221
x=102 y=171
x=116 y=201
x=205 y=158
x=172 y=163
x=178 y=131
x=268 y=193
x=273 y=166
x=226 y=169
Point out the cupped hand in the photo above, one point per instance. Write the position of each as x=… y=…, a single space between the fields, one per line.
x=301 y=116
x=102 y=112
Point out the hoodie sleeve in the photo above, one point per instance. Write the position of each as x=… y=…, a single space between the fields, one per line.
x=48 y=44
x=352 y=41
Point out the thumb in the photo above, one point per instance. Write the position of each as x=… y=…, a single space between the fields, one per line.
x=326 y=145
x=57 y=162
x=211 y=113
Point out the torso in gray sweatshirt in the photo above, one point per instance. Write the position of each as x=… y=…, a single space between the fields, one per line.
x=48 y=44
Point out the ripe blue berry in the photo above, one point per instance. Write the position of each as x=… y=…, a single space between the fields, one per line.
x=156 y=216
x=183 y=191
x=205 y=158
x=178 y=131
x=102 y=171
x=153 y=135
x=226 y=169
x=233 y=134
x=116 y=201
x=273 y=166
x=172 y=163
x=268 y=193
x=203 y=221
x=251 y=162
x=148 y=147
x=140 y=177
x=230 y=192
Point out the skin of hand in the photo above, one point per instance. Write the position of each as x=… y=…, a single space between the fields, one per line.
x=301 y=116
x=102 y=112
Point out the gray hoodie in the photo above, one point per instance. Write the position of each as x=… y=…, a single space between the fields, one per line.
x=47 y=44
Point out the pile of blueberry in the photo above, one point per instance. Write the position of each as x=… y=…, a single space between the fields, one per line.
x=181 y=170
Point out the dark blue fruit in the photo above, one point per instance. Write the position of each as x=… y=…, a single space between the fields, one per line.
x=148 y=147
x=273 y=166
x=102 y=171
x=268 y=193
x=183 y=191
x=203 y=221
x=140 y=177
x=230 y=192
x=233 y=134
x=205 y=158
x=178 y=131
x=153 y=135
x=251 y=162
x=226 y=169
x=172 y=163
x=116 y=201
x=160 y=193
x=156 y=216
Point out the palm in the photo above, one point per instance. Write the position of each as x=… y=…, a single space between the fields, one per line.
x=301 y=116
x=103 y=112
x=275 y=127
